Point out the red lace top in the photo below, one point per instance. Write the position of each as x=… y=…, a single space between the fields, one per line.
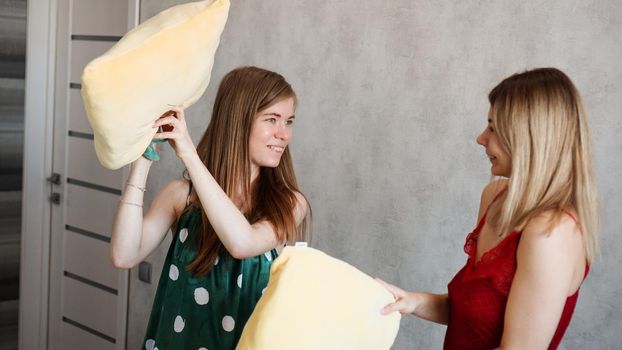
x=479 y=292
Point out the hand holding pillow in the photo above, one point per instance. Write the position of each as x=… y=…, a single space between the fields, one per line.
x=167 y=60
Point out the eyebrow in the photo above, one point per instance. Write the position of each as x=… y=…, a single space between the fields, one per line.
x=279 y=116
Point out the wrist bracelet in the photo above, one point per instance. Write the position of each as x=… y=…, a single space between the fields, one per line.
x=138 y=187
x=130 y=203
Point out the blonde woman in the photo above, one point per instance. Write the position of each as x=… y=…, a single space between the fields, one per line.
x=537 y=228
x=238 y=207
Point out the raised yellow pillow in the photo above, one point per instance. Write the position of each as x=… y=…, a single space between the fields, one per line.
x=163 y=62
x=316 y=302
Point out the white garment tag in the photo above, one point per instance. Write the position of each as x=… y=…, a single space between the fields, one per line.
x=300 y=244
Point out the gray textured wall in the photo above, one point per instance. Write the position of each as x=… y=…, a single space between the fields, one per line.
x=392 y=95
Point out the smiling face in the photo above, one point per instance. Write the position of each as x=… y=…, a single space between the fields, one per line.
x=270 y=134
x=500 y=159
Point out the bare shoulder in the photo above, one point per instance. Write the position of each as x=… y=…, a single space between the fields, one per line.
x=554 y=241
x=551 y=235
x=177 y=187
x=301 y=200
x=300 y=210
x=551 y=224
x=176 y=193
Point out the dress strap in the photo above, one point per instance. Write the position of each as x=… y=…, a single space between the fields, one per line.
x=481 y=222
x=494 y=200
x=189 y=193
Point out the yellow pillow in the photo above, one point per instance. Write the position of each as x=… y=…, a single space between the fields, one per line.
x=165 y=61
x=316 y=302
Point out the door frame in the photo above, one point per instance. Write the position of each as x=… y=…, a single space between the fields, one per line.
x=38 y=133
x=39 y=110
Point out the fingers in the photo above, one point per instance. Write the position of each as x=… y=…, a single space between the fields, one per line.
x=175 y=111
x=399 y=306
x=169 y=120
x=402 y=299
x=171 y=117
x=178 y=111
x=174 y=129
x=397 y=292
x=169 y=123
x=388 y=287
x=166 y=135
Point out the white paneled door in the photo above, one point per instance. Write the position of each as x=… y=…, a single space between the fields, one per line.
x=88 y=297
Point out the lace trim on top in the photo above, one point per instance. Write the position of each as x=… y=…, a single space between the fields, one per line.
x=498 y=271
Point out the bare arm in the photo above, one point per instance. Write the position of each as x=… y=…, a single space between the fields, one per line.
x=428 y=306
x=135 y=237
x=240 y=238
x=551 y=265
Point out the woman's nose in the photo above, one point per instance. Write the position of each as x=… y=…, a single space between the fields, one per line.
x=283 y=132
x=482 y=139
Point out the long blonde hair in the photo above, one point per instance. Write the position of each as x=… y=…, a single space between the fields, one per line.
x=540 y=122
x=243 y=93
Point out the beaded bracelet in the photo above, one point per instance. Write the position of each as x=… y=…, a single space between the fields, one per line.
x=138 y=187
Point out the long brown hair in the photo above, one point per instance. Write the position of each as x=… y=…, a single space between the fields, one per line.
x=540 y=121
x=243 y=93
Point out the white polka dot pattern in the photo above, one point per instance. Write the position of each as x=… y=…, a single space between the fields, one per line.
x=188 y=293
x=179 y=324
x=173 y=272
x=228 y=323
x=183 y=234
x=201 y=296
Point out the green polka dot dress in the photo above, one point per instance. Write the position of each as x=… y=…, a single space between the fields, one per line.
x=208 y=312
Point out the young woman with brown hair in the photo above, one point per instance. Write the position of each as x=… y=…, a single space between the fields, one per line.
x=537 y=228
x=237 y=206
